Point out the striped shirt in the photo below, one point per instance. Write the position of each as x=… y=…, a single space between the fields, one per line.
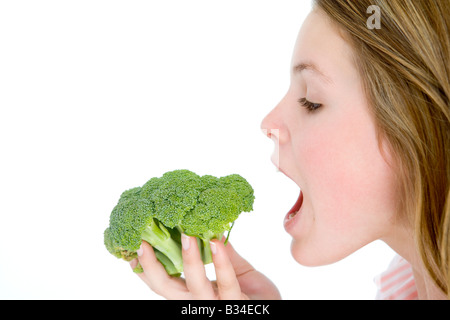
x=397 y=282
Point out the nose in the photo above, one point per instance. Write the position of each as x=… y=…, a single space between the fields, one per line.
x=273 y=126
x=268 y=124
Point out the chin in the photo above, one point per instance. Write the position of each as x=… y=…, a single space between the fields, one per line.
x=312 y=256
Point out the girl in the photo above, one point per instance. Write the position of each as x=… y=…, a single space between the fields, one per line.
x=364 y=131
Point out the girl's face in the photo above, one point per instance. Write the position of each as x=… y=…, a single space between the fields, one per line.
x=328 y=145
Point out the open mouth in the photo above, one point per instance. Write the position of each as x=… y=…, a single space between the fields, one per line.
x=296 y=208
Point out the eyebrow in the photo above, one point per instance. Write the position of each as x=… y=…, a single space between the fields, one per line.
x=311 y=66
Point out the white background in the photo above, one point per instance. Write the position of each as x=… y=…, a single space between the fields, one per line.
x=99 y=96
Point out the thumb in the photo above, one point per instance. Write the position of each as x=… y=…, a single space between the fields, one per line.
x=240 y=265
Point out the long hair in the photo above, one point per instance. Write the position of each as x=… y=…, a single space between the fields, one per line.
x=405 y=67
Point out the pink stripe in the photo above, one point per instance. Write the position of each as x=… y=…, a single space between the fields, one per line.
x=394 y=272
x=413 y=296
x=395 y=282
x=396 y=294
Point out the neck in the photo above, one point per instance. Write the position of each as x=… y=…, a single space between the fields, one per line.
x=426 y=287
x=402 y=242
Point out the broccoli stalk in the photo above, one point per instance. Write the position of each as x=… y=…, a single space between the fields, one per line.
x=167 y=247
x=204 y=246
x=205 y=250
x=157 y=235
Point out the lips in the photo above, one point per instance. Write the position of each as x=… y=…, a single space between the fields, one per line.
x=295 y=209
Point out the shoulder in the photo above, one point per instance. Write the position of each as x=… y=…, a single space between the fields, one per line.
x=397 y=282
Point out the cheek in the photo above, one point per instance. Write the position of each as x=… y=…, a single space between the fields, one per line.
x=349 y=196
x=348 y=182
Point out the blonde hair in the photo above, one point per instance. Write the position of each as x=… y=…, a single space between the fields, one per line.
x=405 y=69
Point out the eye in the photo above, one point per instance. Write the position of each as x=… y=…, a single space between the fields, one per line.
x=310 y=106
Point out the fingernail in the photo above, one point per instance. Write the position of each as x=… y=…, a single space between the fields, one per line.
x=140 y=251
x=213 y=247
x=133 y=263
x=185 y=242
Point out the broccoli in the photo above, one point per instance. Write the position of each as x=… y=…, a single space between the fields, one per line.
x=178 y=202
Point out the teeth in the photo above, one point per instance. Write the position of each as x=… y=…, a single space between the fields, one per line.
x=292 y=215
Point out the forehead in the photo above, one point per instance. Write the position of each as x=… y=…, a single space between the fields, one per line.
x=320 y=44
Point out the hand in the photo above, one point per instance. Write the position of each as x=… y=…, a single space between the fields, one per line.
x=236 y=278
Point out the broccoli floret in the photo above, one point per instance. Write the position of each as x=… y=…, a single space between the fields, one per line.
x=178 y=202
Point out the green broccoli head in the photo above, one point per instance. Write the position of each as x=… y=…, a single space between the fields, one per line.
x=174 y=194
x=242 y=188
x=214 y=212
x=178 y=202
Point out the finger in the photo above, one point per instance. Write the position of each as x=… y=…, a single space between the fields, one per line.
x=156 y=277
x=227 y=283
x=246 y=274
x=240 y=265
x=194 y=270
x=134 y=263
